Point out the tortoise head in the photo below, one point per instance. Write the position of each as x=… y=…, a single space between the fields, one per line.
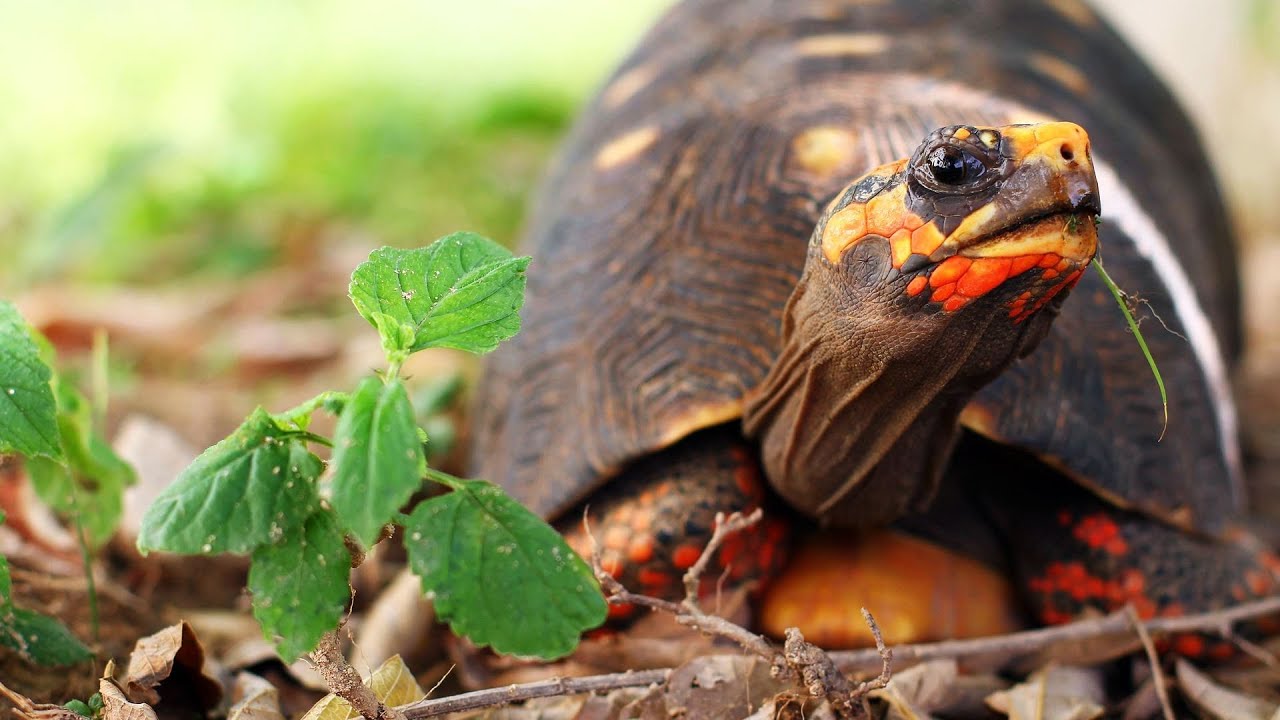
x=925 y=279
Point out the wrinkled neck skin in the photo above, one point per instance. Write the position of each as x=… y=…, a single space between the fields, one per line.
x=857 y=417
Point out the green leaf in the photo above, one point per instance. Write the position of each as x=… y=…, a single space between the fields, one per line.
x=463 y=291
x=500 y=575
x=28 y=413
x=299 y=585
x=79 y=707
x=90 y=485
x=249 y=490
x=1119 y=295
x=6 y=583
x=377 y=458
x=40 y=638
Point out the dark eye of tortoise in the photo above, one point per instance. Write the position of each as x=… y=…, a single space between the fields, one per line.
x=953 y=166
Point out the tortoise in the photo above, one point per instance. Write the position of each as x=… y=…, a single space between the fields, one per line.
x=827 y=257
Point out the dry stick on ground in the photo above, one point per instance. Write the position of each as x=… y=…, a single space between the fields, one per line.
x=1020 y=643
x=1157 y=674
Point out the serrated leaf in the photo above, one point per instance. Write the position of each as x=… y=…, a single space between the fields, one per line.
x=463 y=291
x=249 y=490
x=500 y=575
x=377 y=458
x=28 y=413
x=299 y=585
x=40 y=638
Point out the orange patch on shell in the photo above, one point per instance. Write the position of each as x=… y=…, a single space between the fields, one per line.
x=685 y=556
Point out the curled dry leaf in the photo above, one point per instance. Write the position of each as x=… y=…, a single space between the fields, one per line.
x=936 y=686
x=392 y=683
x=255 y=699
x=1053 y=693
x=1216 y=701
x=115 y=706
x=172 y=658
x=717 y=686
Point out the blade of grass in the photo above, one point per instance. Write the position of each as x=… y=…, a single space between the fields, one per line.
x=1119 y=295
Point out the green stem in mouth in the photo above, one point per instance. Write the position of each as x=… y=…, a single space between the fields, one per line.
x=1119 y=295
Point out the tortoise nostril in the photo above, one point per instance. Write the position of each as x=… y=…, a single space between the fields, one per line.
x=1067 y=152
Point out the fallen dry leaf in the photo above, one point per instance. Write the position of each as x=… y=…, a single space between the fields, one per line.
x=1216 y=701
x=116 y=707
x=1053 y=693
x=255 y=699
x=392 y=683
x=174 y=658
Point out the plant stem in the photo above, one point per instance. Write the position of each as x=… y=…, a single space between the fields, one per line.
x=1119 y=295
x=86 y=559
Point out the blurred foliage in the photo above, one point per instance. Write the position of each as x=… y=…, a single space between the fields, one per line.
x=153 y=140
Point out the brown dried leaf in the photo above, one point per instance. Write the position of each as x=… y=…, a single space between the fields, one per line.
x=255 y=699
x=116 y=707
x=913 y=693
x=1217 y=701
x=1054 y=693
x=720 y=686
x=172 y=657
x=392 y=683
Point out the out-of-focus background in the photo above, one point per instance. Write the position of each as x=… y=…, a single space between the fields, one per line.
x=198 y=177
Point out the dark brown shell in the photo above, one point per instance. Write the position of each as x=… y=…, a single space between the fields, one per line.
x=673 y=229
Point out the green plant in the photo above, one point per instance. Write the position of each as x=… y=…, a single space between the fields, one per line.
x=498 y=574
x=44 y=419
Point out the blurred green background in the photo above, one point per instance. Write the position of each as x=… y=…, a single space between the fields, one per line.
x=144 y=140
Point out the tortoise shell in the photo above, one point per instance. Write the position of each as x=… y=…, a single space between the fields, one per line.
x=673 y=228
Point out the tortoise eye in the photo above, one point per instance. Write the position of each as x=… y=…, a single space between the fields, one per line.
x=953 y=166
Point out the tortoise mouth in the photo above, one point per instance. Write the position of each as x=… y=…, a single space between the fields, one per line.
x=1071 y=235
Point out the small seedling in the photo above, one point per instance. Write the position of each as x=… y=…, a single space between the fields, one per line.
x=1119 y=295
x=498 y=574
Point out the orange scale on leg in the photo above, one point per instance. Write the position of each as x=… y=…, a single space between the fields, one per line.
x=685 y=556
x=983 y=276
x=1190 y=646
x=640 y=551
x=617 y=537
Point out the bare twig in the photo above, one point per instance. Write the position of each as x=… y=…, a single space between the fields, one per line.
x=1157 y=674
x=343 y=680
x=820 y=676
x=1024 y=643
x=529 y=691
x=886 y=658
x=724 y=527
x=1014 y=644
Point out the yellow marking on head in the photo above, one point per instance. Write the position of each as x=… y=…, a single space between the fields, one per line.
x=885 y=211
x=988 y=137
x=926 y=239
x=627 y=84
x=961 y=134
x=843 y=44
x=824 y=149
x=900 y=244
x=843 y=229
x=1060 y=71
x=1075 y=11
x=625 y=147
x=971 y=226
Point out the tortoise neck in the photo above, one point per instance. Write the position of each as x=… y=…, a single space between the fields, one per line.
x=858 y=415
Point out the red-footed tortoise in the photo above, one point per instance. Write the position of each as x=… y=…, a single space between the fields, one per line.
x=718 y=318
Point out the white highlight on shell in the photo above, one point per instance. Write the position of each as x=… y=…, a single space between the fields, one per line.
x=1122 y=208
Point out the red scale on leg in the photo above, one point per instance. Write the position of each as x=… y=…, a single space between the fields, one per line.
x=654 y=519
